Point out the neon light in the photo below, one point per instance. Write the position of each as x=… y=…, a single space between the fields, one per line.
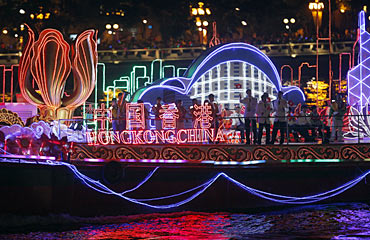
x=359 y=76
x=359 y=86
x=103 y=114
x=200 y=189
x=169 y=116
x=178 y=136
x=239 y=52
x=47 y=61
x=135 y=116
x=203 y=114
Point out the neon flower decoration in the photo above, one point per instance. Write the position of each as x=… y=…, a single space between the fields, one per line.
x=46 y=62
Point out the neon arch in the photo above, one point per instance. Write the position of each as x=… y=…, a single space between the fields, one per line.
x=220 y=54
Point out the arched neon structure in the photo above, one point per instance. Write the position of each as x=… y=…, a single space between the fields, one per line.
x=220 y=54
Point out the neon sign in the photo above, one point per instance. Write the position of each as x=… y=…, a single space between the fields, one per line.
x=171 y=136
x=135 y=116
x=103 y=115
x=203 y=116
x=136 y=133
x=168 y=114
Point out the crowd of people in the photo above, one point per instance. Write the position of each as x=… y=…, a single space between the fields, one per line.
x=301 y=122
x=252 y=119
x=11 y=44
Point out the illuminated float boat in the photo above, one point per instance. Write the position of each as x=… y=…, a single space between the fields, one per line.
x=141 y=169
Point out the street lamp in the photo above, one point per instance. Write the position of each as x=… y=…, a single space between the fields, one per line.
x=115 y=26
x=316 y=9
x=244 y=23
x=200 y=13
x=108 y=26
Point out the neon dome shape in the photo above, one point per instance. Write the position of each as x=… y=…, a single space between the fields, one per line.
x=220 y=54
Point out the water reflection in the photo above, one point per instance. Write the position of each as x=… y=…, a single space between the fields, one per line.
x=334 y=221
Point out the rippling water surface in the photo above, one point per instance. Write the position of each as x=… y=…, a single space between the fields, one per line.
x=334 y=221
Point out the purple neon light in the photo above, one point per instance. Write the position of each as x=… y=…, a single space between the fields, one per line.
x=27 y=157
x=190 y=81
x=359 y=76
x=96 y=185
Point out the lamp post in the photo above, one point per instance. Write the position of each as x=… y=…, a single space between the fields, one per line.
x=288 y=25
x=317 y=8
x=200 y=14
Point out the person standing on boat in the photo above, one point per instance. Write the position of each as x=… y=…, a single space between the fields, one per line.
x=304 y=123
x=337 y=111
x=280 y=123
x=264 y=110
x=182 y=114
x=121 y=113
x=216 y=111
x=114 y=110
x=250 y=104
x=156 y=111
x=238 y=122
x=194 y=103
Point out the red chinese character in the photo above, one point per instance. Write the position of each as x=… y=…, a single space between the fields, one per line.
x=203 y=116
x=169 y=116
x=135 y=116
x=103 y=114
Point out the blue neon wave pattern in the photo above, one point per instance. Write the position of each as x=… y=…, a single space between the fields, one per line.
x=198 y=190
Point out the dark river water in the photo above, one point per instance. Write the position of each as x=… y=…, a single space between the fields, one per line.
x=332 y=221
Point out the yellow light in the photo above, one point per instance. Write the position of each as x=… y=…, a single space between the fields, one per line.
x=107 y=13
x=365 y=8
x=32 y=16
x=118 y=13
x=47 y=15
x=204 y=32
x=201 y=11
x=40 y=16
x=201 y=4
x=22 y=27
x=5 y=31
x=108 y=26
x=115 y=26
x=244 y=23
x=316 y=5
x=194 y=11
x=145 y=21
x=286 y=20
x=200 y=29
x=342 y=10
x=198 y=23
x=208 y=11
x=237 y=9
x=110 y=32
x=122 y=14
x=205 y=23
x=292 y=20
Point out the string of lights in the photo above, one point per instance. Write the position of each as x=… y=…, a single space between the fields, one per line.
x=198 y=190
